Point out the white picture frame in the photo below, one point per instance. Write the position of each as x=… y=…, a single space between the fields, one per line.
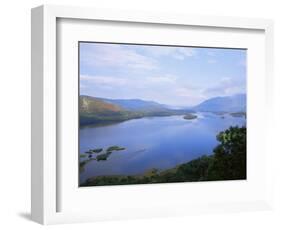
x=46 y=181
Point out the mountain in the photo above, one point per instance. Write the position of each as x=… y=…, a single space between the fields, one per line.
x=95 y=110
x=135 y=104
x=236 y=103
x=94 y=105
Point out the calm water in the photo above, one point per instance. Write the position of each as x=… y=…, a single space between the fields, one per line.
x=154 y=142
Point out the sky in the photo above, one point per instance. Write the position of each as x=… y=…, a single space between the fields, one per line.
x=178 y=76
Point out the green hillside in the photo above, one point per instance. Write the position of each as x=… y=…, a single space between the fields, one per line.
x=93 y=110
x=97 y=106
x=96 y=111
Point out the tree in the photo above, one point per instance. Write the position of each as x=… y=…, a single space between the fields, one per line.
x=230 y=155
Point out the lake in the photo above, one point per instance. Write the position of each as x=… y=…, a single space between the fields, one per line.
x=152 y=142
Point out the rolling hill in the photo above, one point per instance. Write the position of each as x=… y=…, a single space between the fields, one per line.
x=94 y=105
x=94 y=110
x=101 y=110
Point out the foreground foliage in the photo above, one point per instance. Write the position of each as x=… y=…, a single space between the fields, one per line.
x=227 y=163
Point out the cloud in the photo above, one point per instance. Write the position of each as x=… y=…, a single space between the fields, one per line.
x=225 y=87
x=212 y=61
x=211 y=53
x=186 y=51
x=102 y=80
x=162 y=88
x=161 y=73
x=188 y=95
x=179 y=53
x=166 y=78
x=82 y=86
x=243 y=63
x=115 y=56
x=184 y=92
x=135 y=82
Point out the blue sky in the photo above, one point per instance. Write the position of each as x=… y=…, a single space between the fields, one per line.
x=179 y=76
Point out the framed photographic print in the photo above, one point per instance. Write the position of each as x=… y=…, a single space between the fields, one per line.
x=160 y=114
x=139 y=114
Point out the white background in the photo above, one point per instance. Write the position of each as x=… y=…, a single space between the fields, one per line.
x=15 y=113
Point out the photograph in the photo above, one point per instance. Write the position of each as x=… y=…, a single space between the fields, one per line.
x=151 y=113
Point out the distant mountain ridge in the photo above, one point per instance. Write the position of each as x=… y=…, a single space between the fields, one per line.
x=235 y=103
x=95 y=110
x=135 y=104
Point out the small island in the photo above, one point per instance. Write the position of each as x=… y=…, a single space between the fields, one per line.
x=101 y=154
x=238 y=114
x=190 y=116
x=96 y=150
x=114 y=148
x=103 y=157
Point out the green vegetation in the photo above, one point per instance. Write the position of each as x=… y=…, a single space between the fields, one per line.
x=115 y=148
x=94 y=105
x=103 y=157
x=111 y=117
x=100 y=157
x=227 y=163
x=94 y=111
x=96 y=150
x=230 y=155
x=190 y=116
x=82 y=164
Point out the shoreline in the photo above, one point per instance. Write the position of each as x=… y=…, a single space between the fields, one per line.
x=186 y=116
x=110 y=122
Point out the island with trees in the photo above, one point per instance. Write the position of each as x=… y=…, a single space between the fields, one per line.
x=190 y=116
